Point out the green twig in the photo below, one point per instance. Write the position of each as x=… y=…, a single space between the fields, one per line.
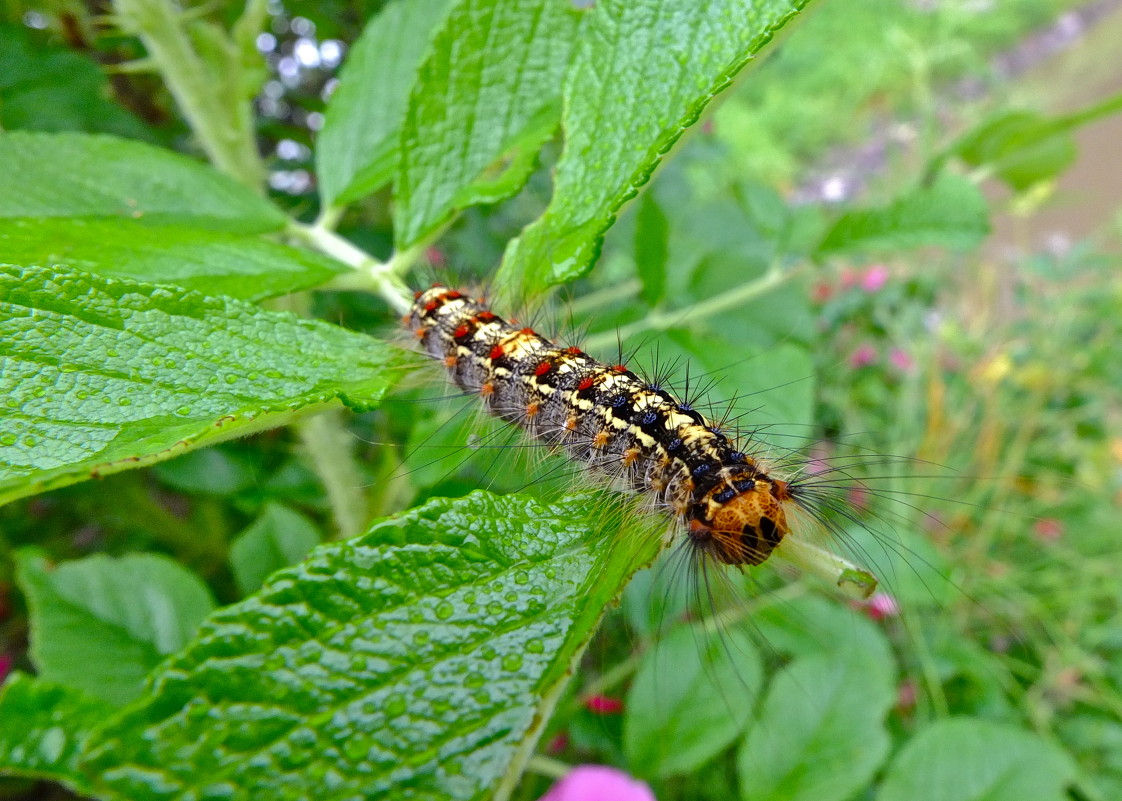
x=328 y=446
x=204 y=70
x=382 y=277
x=662 y=320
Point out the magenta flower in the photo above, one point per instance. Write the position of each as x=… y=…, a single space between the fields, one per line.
x=598 y=783
x=603 y=705
x=863 y=356
x=874 y=278
x=1048 y=529
x=881 y=605
x=901 y=360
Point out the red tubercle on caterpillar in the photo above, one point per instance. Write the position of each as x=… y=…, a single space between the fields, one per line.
x=486 y=316
x=461 y=331
x=542 y=368
x=586 y=383
x=527 y=331
x=574 y=351
x=497 y=352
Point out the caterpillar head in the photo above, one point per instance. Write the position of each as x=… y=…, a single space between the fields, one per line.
x=741 y=519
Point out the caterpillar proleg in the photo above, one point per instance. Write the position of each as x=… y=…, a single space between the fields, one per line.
x=633 y=433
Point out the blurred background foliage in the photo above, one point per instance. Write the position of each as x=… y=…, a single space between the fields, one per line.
x=994 y=364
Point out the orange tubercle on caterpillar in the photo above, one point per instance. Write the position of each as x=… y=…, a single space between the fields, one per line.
x=630 y=431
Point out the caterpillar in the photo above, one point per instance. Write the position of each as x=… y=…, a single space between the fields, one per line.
x=631 y=431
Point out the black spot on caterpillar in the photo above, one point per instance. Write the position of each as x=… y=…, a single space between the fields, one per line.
x=633 y=432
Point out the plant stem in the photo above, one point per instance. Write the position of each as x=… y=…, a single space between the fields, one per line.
x=328 y=446
x=217 y=107
x=381 y=277
x=660 y=321
x=547 y=766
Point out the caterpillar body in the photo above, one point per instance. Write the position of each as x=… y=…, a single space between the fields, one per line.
x=629 y=430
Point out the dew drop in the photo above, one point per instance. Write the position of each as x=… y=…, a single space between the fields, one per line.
x=495 y=608
x=124 y=402
x=112 y=352
x=30 y=442
x=420 y=638
x=7 y=439
x=521 y=578
x=488 y=652
x=444 y=610
x=474 y=680
x=512 y=662
x=469 y=597
x=231 y=378
x=171 y=364
x=81 y=394
x=272 y=374
x=511 y=597
x=183 y=411
x=535 y=647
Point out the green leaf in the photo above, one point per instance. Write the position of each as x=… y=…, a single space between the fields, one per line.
x=216 y=263
x=279 y=537
x=44 y=727
x=949 y=213
x=420 y=659
x=964 y=759
x=642 y=73
x=100 y=625
x=820 y=735
x=1022 y=147
x=693 y=695
x=486 y=98
x=75 y=175
x=50 y=88
x=652 y=245
x=811 y=625
x=357 y=152
x=99 y=375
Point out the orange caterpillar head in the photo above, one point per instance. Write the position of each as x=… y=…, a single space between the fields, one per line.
x=741 y=519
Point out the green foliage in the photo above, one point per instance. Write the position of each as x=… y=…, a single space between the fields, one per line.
x=428 y=656
x=691 y=698
x=279 y=537
x=951 y=212
x=339 y=666
x=102 y=375
x=969 y=760
x=75 y=176
x=101 y=625
x=641 y=74
x=359 y=149
x=820 y=733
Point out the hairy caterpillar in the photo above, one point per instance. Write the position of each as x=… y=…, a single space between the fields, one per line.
x=631 y=431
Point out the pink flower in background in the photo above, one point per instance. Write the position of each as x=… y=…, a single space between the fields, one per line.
x=5 y=666
x=598 y=783
x=558 y=744
x=436 y=257
x=901 y=360
x=863 y=356
x=874 y=278
x=1048 y=529
x=603 y=705
x=881 y=605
